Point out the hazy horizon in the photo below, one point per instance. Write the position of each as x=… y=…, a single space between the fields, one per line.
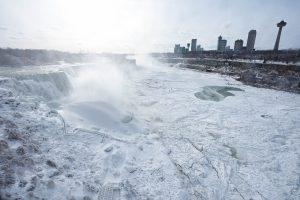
x=132 y=26
x=130 y=125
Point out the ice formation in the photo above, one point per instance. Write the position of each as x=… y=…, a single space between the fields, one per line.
x=106 y=131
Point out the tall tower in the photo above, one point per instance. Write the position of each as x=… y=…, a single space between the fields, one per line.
x=279 y=25
x=221 y=44
x=194 y=45
x=219 y=41
x=251 y=40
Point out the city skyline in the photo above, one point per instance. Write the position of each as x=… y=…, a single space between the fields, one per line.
x=144 y=26
x=222 y=45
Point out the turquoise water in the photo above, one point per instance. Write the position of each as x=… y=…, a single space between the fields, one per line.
x=216 y=93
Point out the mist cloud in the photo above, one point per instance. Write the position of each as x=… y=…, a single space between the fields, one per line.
x=3 y=28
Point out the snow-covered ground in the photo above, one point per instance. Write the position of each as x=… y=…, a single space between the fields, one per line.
x=105 y=131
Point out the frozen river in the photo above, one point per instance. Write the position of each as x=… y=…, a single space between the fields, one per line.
x=107 y=131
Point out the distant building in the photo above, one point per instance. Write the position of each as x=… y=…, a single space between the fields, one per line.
x=227 y=48
x=238 y=45
x=182 y=50
x=194 y=45
x=188 y=46
x=199 y=48
x=177 y=48
x=280 y=25
x=221 y=44
x=186 y=50
x=251 y=40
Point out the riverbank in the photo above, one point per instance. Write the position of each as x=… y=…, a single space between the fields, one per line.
x=279 y=76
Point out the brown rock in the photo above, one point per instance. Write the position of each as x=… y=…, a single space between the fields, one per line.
x=14 y=134
x=33 y=184
x=22 y=183
x=3 y=145
x=33 y=148
x=51 y=163
x=20 y=150
x=7 y=178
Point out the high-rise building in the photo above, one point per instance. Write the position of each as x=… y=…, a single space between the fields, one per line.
x=221 y=44
x=177 y=48
x=238 y=45
x=182 y=50
x=219 y=39
x=227 y=48
x=199 y=48
x=188 y=46
x=194 y=45
x=251 y=40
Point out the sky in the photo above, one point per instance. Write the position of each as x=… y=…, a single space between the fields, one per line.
x=139 y=26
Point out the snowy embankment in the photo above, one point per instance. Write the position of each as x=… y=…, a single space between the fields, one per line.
x=147 y=132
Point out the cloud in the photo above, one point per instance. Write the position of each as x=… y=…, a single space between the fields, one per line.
x=3 y=28
x=55 y=28
x=13 y=38
x=16 y=38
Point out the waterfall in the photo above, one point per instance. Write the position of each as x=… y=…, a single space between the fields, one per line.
x=47 y=85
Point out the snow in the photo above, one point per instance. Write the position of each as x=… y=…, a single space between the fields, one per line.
x=140 y=132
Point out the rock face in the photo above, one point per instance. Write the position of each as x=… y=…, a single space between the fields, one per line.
x=19 y=146
x=14 y=134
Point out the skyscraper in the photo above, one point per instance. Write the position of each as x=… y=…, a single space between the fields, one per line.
x=221 y=44
x=182 y=50
x=194 y=45
x=238 y=45
x=251 y=40
x=177 y=48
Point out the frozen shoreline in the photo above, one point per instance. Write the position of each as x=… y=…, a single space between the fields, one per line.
x=241 y=147
x=273 y=75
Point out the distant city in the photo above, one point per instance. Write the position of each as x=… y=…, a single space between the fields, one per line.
x=223 y=47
